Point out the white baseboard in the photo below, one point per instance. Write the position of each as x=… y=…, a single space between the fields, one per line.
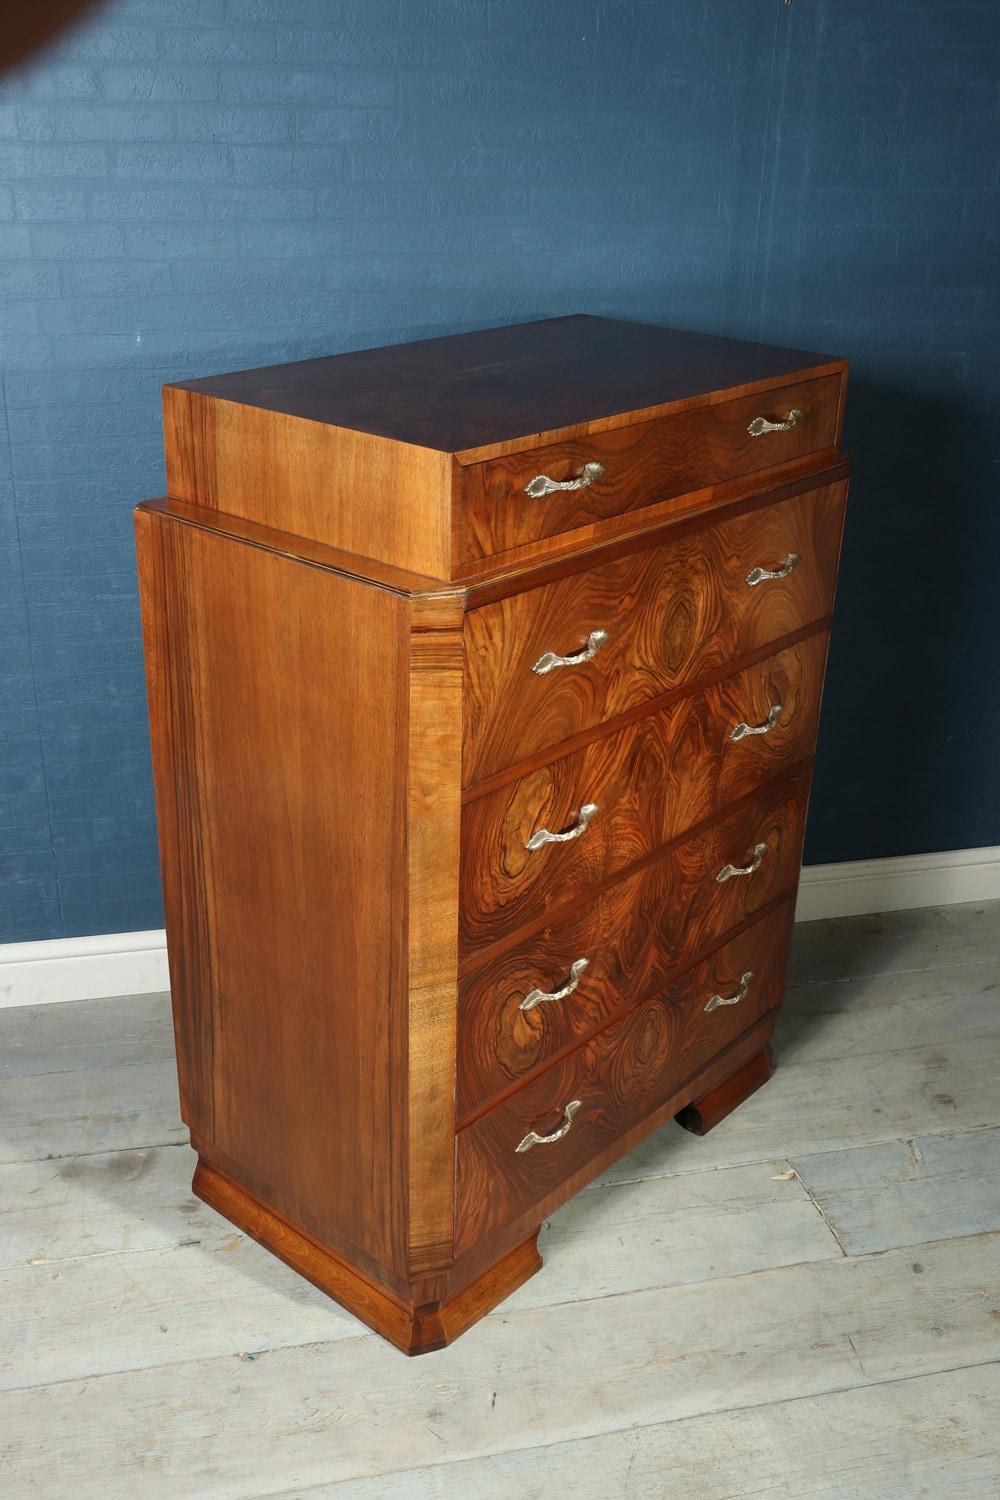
x=861 y=886
x=83 y=968
x=135 y=963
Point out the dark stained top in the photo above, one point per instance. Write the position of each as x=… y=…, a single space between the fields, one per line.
x=473 y=389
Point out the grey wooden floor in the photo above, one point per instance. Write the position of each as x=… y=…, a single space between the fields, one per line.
x=802 y=1304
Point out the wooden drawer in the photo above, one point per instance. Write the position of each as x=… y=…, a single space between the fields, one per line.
x=670 y=614
x=619 y=1076
x=632 y=937
x=680 y=454
x=650 y=782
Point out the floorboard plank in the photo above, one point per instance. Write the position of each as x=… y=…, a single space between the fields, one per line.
x=900 y=1193
x=696 y=1328
x=894 y=942
x=670 y=1231
x=84 y=1318
x=85 y=1034
x=844 y=1102
x=86 y=1110
x=115 y=1202
x=851 y=1017
x=354 y=1408
x=152 y=1284
x=920 y=1439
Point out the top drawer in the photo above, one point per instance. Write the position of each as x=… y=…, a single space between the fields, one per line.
x=416 y=456
x=507 y=502
x=547 y=663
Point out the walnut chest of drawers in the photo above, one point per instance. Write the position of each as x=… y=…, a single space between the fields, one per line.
x=484 y=676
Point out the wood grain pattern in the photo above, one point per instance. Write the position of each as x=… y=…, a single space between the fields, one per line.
x=676 y=455
x=671 y=613
x=343 y=599
x=523 y=568
x=500 y=387
x=267 y=793
x=618 y=1147
x=651 y=781
x=432 y=852
x=171 y=673
x=370 y=496
x=428 y=596
x=704 y=1113
x=413 y=586
x=639 y=933
x=502 y=573
x=363 y=451
x=414 y=1329
x=308 y=1256
x=619 y=1076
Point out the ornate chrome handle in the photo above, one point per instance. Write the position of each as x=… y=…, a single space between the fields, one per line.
x=760 y=425
x=741 y=994
x=542 y=485
x=728 y=871
x=543 y=836
x=742 y=730
x=534 y=1139
x=763 y=575
x=550 y=660
x=539 y=997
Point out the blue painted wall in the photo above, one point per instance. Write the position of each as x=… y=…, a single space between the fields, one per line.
x=199 y=185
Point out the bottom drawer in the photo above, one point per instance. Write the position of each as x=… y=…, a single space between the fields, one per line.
x=583 y=1102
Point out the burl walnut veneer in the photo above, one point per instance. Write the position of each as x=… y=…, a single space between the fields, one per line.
x=484 y=676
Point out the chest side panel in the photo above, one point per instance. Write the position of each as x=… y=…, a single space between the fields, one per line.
x=278 y=706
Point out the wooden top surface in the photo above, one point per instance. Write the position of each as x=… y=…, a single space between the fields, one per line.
x=473 y=389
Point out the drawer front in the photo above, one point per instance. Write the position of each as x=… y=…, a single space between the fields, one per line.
x=669 y=614
x=649 y=783
x=649 y=462
x=618 y=1077
x=628 y=941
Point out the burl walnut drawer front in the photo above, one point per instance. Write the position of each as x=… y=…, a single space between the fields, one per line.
x=541 y=842
x=553 y=1125
x=507 y=502
x=544 y=664
x=566 y=981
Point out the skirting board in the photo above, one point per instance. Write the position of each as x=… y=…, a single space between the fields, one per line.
x=858 y=887
x=83 y=968
x=135 y=963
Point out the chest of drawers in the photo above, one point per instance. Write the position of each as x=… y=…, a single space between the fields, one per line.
x=484 y=676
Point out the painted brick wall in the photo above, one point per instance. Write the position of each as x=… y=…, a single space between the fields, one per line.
x=189 y=186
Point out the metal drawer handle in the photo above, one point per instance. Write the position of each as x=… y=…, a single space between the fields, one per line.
x=728 y=871
x=534 y=1139
x=539 y=997
x=763 y=575
x=741 y=994
x=760 y=425
x=550 y=660
x=742 y=730
x=543 y=836
x=542 y=485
